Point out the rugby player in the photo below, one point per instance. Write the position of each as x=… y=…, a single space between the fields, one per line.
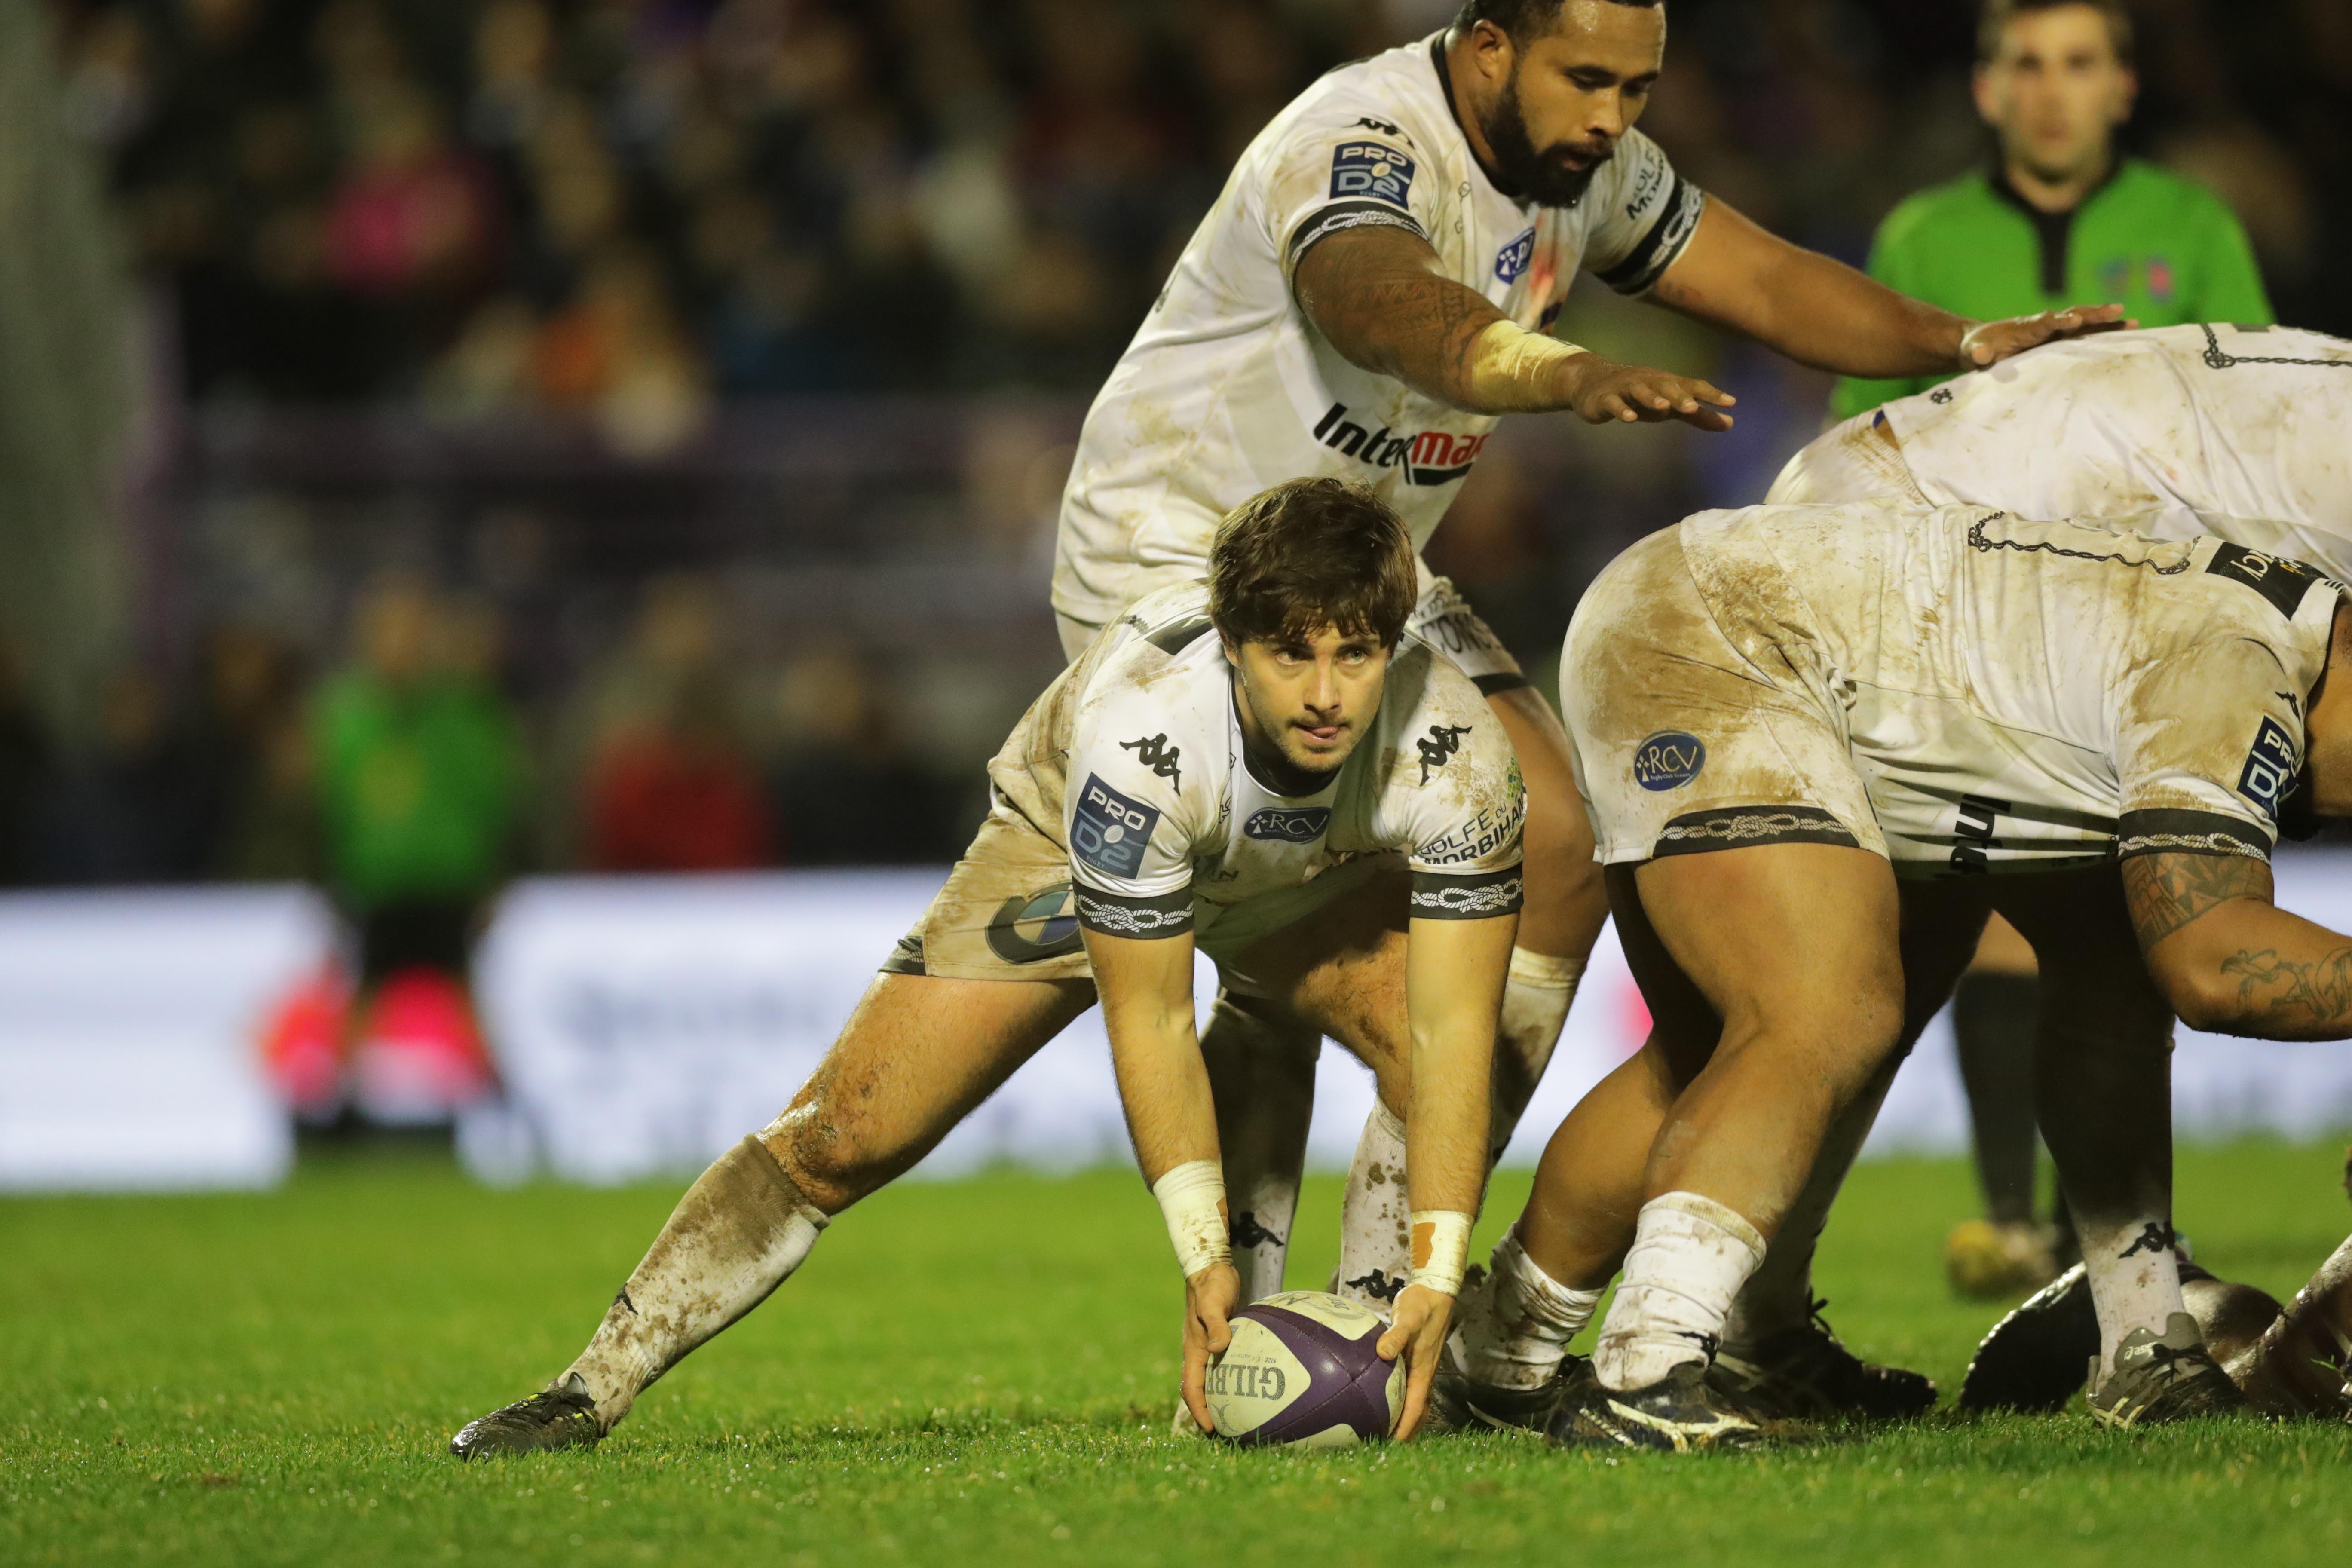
x=1245 y=766
x=1806 y=735
x=2243 y=432
x=1370 y=291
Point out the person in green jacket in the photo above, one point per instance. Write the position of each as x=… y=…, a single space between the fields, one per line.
x=2058 y=216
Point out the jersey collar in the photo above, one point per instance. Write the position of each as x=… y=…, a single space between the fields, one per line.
x=1446 y=90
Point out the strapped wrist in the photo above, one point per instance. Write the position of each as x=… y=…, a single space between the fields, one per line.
x=1440 y=1249
x=1192 y=1198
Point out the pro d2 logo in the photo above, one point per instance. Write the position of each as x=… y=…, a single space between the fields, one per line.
x=1366 y=169
x=1668 y=760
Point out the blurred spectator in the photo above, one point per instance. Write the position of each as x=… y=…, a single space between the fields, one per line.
x=671 y=785
x=249 y=776
x=418 y=775
x=847 y=791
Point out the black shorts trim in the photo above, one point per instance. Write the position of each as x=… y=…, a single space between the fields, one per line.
x=1144 y=919
x=1746 y=827
x=1474 y=896
x=2188 y=833
x=1501 y=680
x=1324 y=221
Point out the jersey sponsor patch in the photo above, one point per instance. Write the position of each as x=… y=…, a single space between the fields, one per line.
x=2282 y=581
x=1109 y=830
x=2268 y=776
x=1513 y=259
x=1288 y=825
x=1668 y=760
x=1368 y=170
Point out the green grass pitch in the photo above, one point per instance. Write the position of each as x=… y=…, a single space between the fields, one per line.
x=981 y=1373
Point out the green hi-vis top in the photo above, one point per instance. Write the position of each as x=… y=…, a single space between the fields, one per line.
x=2164 y=247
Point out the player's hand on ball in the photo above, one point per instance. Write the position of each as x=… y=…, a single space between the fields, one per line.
x=1417 y=1333
x=1211 y=1296
x=1990 y=343
x=1601 y=390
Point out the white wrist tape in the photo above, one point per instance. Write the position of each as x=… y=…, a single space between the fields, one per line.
x=1440 y=1249
x=1509 y=364
x=1190 y=1196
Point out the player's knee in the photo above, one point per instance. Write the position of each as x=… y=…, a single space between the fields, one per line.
x=824 y=1156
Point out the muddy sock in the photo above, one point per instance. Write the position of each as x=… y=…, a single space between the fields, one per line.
x=1375 y=1251
x=1689 y=1257
x=1517 y=1325
x=738 y=1233
x=2134 y=1278
x=1992 y=1025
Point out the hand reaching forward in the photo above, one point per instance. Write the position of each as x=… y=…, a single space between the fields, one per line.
x=1601 y=390
x=1211 y=1296
x=1418 y=1334
x=1990 y=343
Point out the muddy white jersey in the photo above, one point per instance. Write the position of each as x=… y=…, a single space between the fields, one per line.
x=1136 y=750
x=1227 y=388
x=2024 y=695
x=2241 y=431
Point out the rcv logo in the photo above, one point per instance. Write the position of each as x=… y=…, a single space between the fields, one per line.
x=1294 y=825
x=1668 y=760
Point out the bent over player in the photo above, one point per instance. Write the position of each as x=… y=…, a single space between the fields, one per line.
x=1819 y=743
x=1371 y=291
x=2243 y=432
x=1240 y=765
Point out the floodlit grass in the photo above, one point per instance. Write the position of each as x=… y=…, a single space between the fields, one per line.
x=981 y=1373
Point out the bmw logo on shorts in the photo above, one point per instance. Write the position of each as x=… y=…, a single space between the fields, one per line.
x=1668 y=760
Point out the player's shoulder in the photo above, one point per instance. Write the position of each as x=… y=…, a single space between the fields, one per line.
x=1432 y=714
x=1160 y=671
x=1393 y=96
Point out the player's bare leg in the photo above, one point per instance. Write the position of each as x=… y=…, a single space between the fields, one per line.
x=2102 y=1082
x=918 y=1055
x=1775 y=983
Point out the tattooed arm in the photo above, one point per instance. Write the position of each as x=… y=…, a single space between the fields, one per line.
x=2230 y=960
x=1378 y=293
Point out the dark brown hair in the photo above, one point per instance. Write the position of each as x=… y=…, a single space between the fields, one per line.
x=1525 y=21
x=1998 y=14
x=1311 y=554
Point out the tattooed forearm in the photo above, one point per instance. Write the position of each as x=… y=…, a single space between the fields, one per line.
x=1376 y=293
x=2165 y=892
x=2284 y=998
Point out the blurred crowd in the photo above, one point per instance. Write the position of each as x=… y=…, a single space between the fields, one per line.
x=650 y=215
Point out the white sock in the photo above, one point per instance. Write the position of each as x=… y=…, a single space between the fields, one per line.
x=738 y=1233
x=1517 y=1325
x=1375 y=1217
x=1535 y=999
x=1689 y=1257
x=1262 y=1214
x=2134 y=1278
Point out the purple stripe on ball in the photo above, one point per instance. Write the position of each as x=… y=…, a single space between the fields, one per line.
x=1346 y=1380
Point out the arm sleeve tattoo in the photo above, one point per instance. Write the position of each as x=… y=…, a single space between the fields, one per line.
x=2166 y=892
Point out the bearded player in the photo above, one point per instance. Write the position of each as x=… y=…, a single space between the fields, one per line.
x=1819 y=743
x=2243 y=432
x=1248 y=766
x=1370 y=291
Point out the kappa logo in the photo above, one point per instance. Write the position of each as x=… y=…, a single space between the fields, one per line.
x=1380 y=1287
x=1668 y=760
x=1109 y=830
x=1382 y=126
x=2154 y=1236
x=1288 y=825
x=1247 y=1232
x=1429 y=458
x=1367 y=170
x=2268 y=776
x=1442 y=741
x=1154 y=753
x=1513 y=259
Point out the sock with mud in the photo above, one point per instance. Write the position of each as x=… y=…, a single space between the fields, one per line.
x=1689 y=1257
x=738 y=1233
x=1517 y=1326
x=2134 y=1277
x=1375 y=1247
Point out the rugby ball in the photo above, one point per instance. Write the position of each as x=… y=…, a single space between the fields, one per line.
x=1301 y=1373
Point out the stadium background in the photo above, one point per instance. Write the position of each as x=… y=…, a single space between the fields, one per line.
x=695 y=383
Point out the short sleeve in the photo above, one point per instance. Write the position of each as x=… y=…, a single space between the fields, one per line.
x=1344 y=170
x=1129 y=828
x=1646 y=217
x=2208 y=746
x=1458 y=803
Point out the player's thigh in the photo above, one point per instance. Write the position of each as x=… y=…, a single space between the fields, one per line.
x=920 y=1054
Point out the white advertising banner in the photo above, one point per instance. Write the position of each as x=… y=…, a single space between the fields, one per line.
x=642 y=1025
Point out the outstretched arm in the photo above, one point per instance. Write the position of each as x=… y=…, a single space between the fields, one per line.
x=1381 y=297
x=2230 y=961
x=1819 y=312
x=1454 y=970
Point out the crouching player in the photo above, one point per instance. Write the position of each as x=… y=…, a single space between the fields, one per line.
x=1263 y=766
x=1817 y=745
